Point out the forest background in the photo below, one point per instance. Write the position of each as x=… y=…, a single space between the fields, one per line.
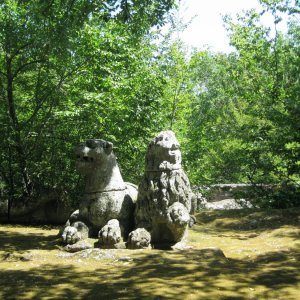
x=71 y=70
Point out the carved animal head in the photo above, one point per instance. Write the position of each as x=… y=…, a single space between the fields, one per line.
x=93 y=154
x=163 y=152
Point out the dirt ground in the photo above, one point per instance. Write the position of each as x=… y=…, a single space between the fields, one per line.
x=261 y=261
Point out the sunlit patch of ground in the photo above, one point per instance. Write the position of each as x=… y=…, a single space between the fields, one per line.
x=262 y=261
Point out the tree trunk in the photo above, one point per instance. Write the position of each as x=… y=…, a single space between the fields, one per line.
x=16 y=130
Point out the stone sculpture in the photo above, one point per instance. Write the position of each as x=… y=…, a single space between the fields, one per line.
x=107 y=205
x=164 y=196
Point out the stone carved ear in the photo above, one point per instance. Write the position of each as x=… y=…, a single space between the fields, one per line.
x=108 y=147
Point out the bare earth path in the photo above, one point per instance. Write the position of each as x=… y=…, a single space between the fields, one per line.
x=262 y=261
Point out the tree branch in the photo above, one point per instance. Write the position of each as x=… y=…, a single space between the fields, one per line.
x=26 y=65
x=18 y=51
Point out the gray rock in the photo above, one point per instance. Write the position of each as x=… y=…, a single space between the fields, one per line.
x=139 y=239
x=110 y=234
x=181 y=246
x=74 y=216
x=125 y=258
x=179 y=215
x=76 y=232
x=211 y=252
x=70 y=235
x=228 y=204
x=79 y=246
x=164 y=195
x=106 y=195
x=201 y=201
x=17 y=257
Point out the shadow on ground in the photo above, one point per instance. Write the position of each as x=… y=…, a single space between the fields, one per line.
x=15 y=241
x=165 y=275
x=190 y=274
x=250 y=219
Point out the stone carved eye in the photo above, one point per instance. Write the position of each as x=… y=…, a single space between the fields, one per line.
x=90 y=144
x=108 y=145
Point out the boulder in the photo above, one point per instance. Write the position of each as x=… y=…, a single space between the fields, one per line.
x=139 y=239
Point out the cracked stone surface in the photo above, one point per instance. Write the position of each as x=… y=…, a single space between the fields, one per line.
x=164 y=195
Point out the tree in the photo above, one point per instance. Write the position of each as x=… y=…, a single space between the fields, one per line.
x=244 y=124
x=43 y=60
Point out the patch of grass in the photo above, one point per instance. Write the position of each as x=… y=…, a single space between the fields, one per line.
x=262 y=261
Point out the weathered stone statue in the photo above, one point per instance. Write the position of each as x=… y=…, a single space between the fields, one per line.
x=107 y=205
x=164 y=196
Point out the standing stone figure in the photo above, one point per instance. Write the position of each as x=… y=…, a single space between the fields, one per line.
x=107 y=204
x=164 y=196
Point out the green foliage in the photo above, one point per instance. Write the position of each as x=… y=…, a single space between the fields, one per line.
x=244 y=122
x=72 y=70
x=244 y=125
x=177 y=93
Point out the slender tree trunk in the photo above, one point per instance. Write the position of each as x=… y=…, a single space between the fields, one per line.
x=10 y=185
x=174 y=106
x=16 y=130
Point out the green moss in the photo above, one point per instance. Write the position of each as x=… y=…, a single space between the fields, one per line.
x=262 y=261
